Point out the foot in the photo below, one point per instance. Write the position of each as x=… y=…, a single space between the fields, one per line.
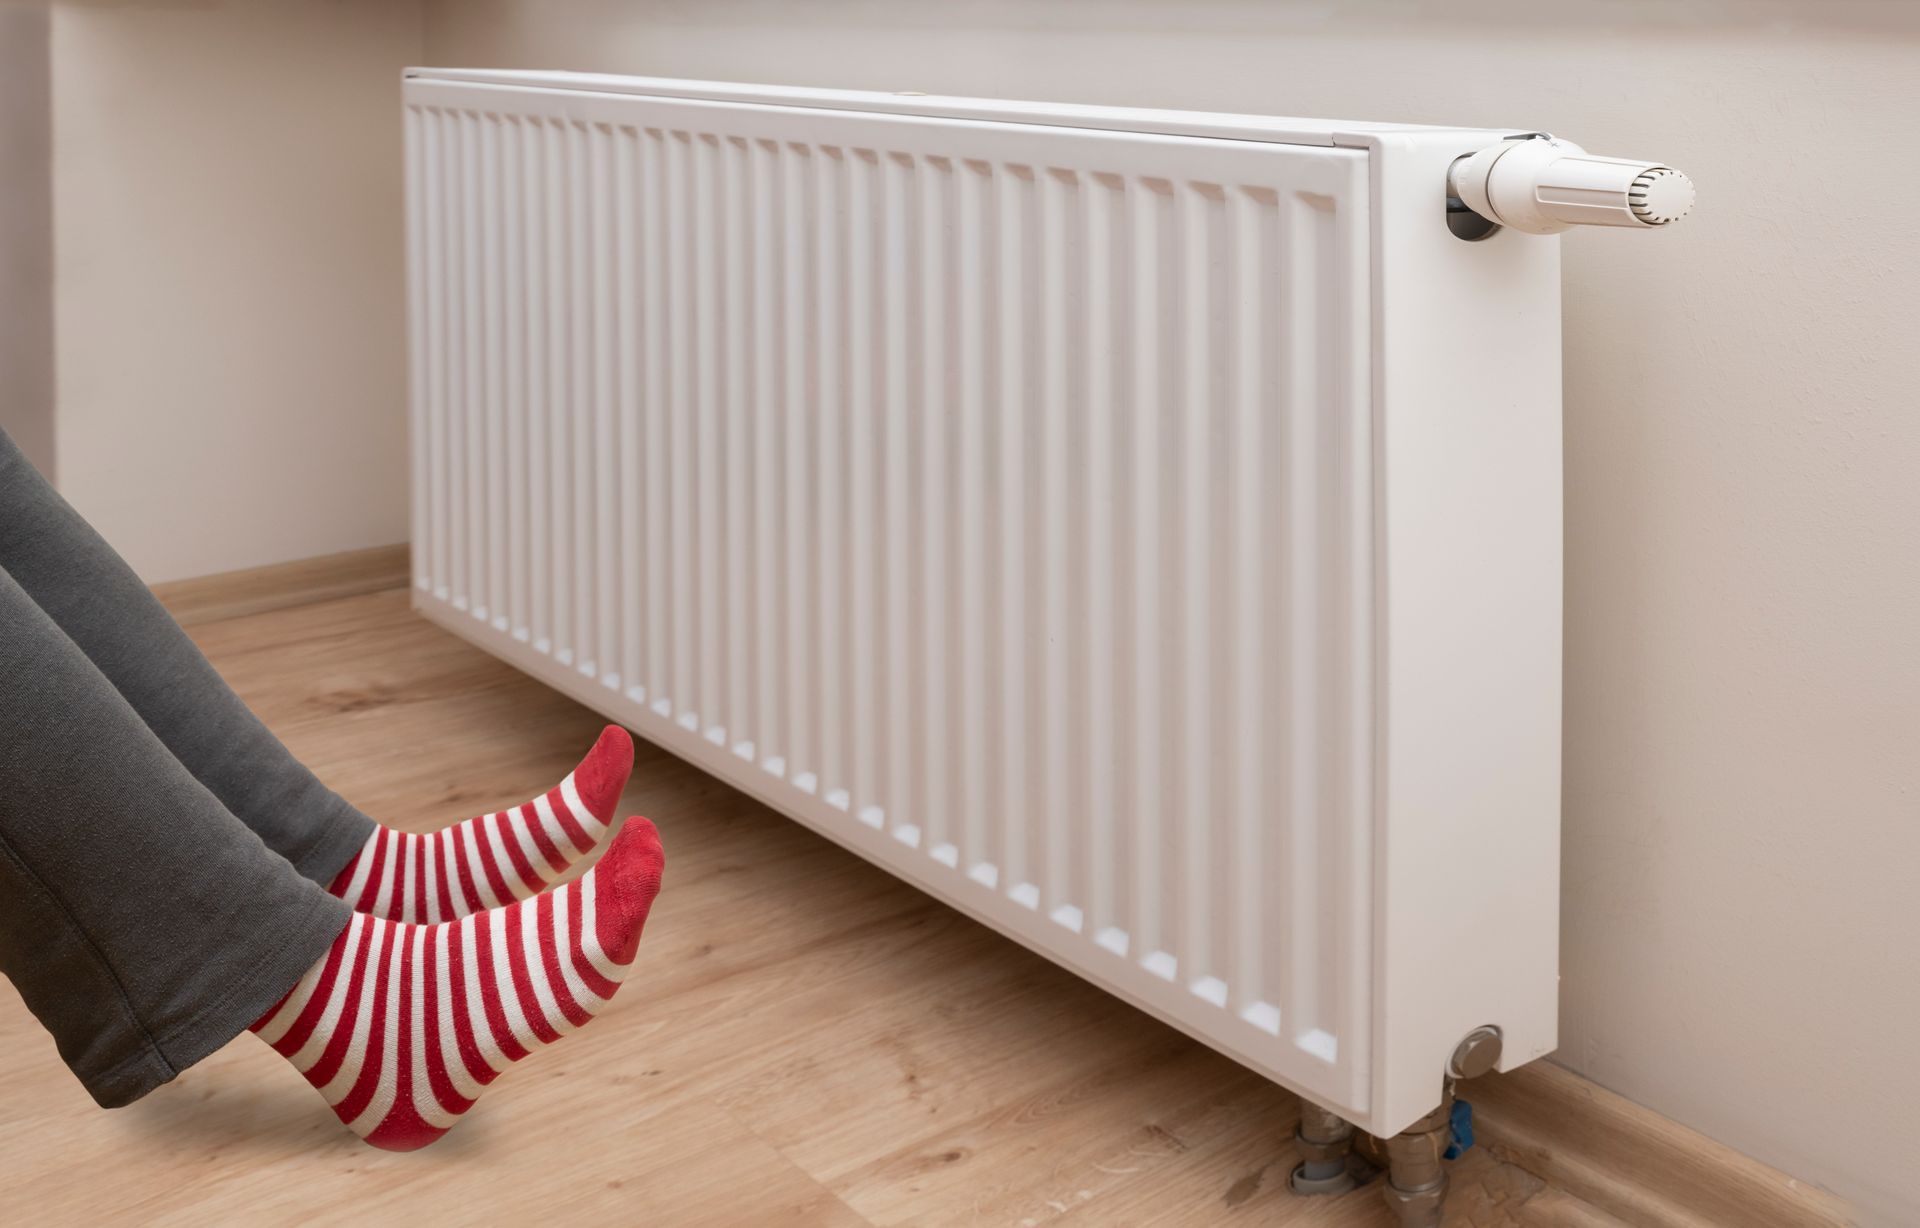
x=495 y=859
x=399 y=1026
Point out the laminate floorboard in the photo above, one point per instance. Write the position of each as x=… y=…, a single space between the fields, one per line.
x=809 y=1041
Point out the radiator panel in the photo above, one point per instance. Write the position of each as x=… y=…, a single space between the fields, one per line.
x=998 y=498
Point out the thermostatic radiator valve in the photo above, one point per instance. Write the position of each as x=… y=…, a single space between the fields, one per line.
x=1541 y=185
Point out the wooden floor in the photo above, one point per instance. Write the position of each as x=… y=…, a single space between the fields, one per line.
x=808 y=1041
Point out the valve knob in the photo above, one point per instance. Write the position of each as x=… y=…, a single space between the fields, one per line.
x=1543 y=185
x=1660 y=195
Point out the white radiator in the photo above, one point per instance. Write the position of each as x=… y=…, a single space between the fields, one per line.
x=1139 y=529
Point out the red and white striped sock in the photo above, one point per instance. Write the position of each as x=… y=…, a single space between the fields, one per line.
x=494 y=859
x=399 y=1026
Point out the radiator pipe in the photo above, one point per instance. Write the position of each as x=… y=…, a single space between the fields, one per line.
x=1539 y=184
x=1324 y=1141
x=1416 y=1187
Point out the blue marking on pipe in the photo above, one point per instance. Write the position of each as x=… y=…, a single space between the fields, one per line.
x=1460 y=1125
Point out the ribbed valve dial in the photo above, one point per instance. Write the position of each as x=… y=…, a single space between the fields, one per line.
x=1660 y=195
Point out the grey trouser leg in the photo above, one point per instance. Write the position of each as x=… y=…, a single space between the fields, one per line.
x=143 y=924
x=91 y=594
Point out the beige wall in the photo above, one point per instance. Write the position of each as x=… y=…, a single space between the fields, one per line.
x=229 y=276
x=26 y=232
x=1742 y=917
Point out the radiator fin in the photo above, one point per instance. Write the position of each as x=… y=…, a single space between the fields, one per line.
x=1016 y=512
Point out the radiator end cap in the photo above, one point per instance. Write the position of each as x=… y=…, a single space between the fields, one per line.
x=1476 y=1054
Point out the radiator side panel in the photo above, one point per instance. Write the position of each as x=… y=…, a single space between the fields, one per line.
x=997 y=499
x=1468 y=478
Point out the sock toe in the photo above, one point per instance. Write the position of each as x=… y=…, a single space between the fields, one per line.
x=625 y=883
x=602 y=776
x=403 y=1130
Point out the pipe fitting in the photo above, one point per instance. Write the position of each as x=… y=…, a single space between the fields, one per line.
x=1416 y=1187
x=1324 y=1141
x=1418 y=1208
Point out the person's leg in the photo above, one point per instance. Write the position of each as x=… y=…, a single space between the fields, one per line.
x=89 y=592
x=143 y=924
x=96 y=599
